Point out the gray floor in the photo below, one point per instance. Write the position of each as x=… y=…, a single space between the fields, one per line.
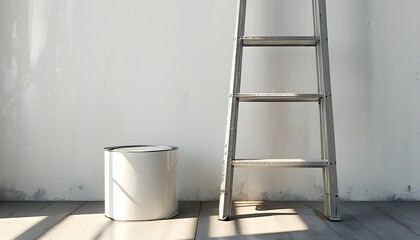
x=198 y=220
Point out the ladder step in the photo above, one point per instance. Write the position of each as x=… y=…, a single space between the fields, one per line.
x=278 y=97
x=289 y=41
x=304 y=163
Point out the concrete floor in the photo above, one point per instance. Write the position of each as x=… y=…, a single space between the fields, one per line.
x=198 y=220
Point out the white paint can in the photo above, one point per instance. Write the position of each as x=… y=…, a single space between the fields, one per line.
x=140 y=182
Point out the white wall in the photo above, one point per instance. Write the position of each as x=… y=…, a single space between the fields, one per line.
x=76 y=76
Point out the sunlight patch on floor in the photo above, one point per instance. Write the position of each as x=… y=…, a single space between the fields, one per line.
x=13 y=227
x=271 y=224
x=253 y=218
x=221 y=228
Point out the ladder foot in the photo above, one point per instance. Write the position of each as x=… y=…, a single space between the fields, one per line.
x=323 y=216
x=227 y=218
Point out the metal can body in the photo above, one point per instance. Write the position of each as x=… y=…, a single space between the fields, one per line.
x=140 y=182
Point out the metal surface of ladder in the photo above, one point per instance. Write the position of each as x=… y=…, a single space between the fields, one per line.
x=323 y=97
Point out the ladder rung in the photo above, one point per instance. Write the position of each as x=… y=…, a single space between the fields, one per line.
x=288 y=41
x=305 y=163
x=278 y=97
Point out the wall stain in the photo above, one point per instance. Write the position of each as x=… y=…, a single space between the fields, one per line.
x=11 y=194
x=292 y=196
x=213 y=195
x=70 y=190
x=8 y=192
x=264 y=196
x=39 y=195
x=242 y=195
x=318 y=187
x=347 y=195
x=281 y=196
x=407 y=195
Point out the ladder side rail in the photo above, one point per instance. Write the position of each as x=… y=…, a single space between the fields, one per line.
x=331 y=200
x=315 y=8
x=225 y=204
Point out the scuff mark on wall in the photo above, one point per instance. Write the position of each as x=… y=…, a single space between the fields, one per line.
x=8 y=192
x=365 y=193
x=265 y=196
x=11 y=194
x=242 y=194
x=407 y=195
x=39 y=195
x=347 y=196
x=77 y=192
x=282 y=195
x=318 y=187
x=212 y=195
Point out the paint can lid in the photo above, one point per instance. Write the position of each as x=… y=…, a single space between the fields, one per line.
x=142 y=148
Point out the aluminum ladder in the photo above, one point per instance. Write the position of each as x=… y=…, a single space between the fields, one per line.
x=323 y=97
